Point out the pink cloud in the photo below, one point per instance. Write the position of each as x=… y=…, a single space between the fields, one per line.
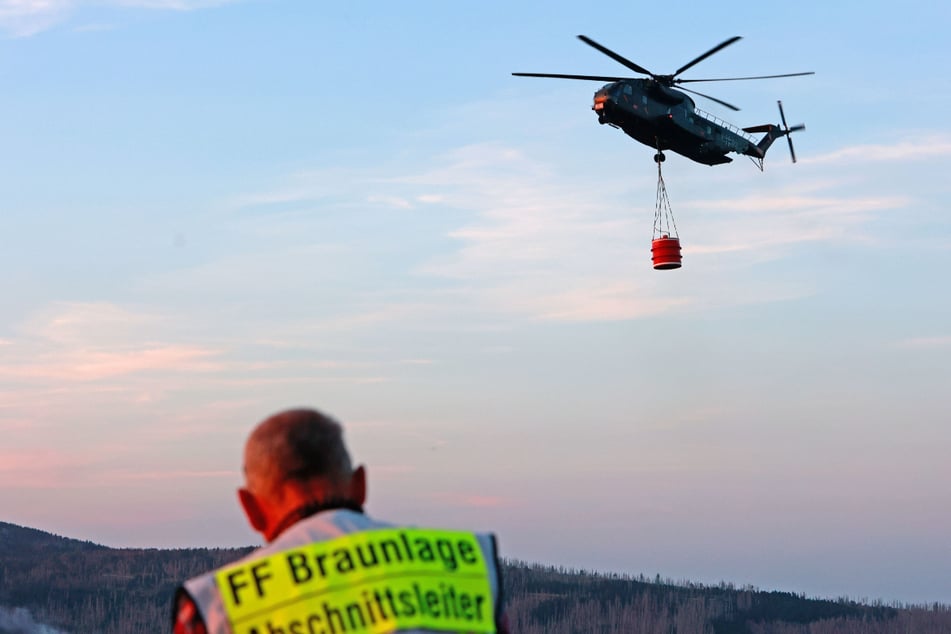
x=94 y=341
x=611 y=303
x=55 y=469
x=486 y=501
x=41 y=469
x=473 y=500
x=926 y=342
x=180 y=474
x=96 y=364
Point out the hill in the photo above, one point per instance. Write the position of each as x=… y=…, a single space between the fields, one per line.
x=53 y=584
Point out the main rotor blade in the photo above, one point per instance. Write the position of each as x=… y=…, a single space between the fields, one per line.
x=561 y=76
x=615 y=56
x=713 y=50
x=687 y=81
x=719 y=101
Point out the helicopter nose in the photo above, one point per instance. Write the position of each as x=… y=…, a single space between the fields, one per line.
x=599 y=100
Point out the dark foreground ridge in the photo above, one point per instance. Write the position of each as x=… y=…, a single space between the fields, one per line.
x=55 y=584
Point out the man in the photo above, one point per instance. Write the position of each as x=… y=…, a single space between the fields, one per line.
x=327 y=567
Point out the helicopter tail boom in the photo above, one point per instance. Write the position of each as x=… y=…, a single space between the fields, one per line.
x=774 y=132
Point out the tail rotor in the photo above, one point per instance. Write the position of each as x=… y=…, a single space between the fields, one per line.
x=787 y=131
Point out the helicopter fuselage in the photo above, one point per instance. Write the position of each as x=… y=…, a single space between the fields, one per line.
x=667 y=119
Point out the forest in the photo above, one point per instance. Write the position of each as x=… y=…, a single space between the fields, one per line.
x=54 y=585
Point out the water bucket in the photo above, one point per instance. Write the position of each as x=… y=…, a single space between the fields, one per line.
x=666 y=253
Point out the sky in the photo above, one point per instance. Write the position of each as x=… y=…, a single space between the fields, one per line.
x=215 y=210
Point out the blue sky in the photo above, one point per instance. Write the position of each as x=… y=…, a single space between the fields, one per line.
x=216 y=210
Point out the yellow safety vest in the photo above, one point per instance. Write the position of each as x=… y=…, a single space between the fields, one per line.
x=340 y=572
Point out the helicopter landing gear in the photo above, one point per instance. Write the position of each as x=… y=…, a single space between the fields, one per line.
x=659 y=158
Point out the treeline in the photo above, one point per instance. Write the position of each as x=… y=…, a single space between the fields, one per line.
x=84 y=588
x=544 y=599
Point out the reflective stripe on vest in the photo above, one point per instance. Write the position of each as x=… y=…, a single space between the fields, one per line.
x=382 y=580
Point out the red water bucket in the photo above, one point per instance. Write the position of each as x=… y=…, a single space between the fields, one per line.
x=666 y=253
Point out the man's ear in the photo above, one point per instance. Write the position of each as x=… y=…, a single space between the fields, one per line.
x=257 y=518
x=358 y=485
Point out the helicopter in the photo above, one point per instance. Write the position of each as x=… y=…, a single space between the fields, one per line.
x=656 y=114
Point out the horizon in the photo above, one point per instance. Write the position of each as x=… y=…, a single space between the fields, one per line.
x=639 y=577
x=216 y=210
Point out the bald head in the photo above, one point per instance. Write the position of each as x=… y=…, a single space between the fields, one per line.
x=296 y=447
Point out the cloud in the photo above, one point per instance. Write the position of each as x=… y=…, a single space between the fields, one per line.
x=37 y=460
x=518 y=238
x=10 y=424
x=390 y=201
x=924 y=148
x=525 y=241
x=468 y=500
x=486 y=501
x=549 y=248
x=79 y=358
x=762 y=223
x=72 y=323
x=581 y=301
x=48 y=468
x=23 y=18
x=89 y=28
x=815 y=205
x=95 y=341
x=93 y=364
x=42 y=468
x=532 y=245
x=849 y=196
x=162 y=476
x=327 y=186
x=926 y=342
x=173 y=5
